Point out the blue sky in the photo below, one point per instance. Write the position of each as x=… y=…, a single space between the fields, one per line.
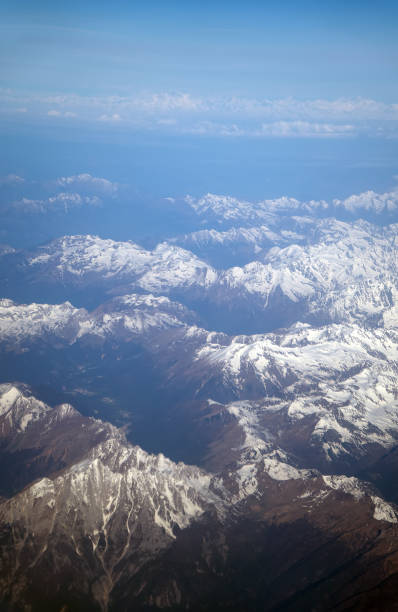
x=224 y=48
x=257 y=99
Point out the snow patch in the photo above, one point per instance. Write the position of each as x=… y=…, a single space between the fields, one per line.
x=383 y=511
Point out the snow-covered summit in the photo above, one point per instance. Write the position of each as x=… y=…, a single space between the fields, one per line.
x=227 y=209
x=90 y=260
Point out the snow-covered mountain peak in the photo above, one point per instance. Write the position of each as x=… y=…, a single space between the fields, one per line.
x=370 y=201
x=82 y=255
x=20 y=322
x=224 y=208
x=20 y=410
x=9 y=394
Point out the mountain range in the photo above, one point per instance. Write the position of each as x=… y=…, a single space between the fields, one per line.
x=207 y=424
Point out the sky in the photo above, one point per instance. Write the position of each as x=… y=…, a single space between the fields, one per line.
x=253 y=99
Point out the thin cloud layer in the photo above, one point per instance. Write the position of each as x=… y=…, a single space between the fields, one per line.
x=305 y=129
x=58 y=113
x=222 y=116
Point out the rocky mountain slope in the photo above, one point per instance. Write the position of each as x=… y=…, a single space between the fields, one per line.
x=106 y=506
x=112 y=527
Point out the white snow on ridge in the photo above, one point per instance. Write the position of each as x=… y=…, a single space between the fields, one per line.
x=18 y=410
x=263 y=280
x=258 y=453
x=93 y=259
x=174 y=267
x=360 y=251
x=24 y=321
x=312 y=354
x=227 y=208
x=352 y=486
x=343 y=375
x=383 y=511
x=8 y=396
x=122 y=317
x=370 y=201
x=80 y=255
x=341 y=271
x=346 y=258
x=256 y=237
x=344 y=271
x=117 y=481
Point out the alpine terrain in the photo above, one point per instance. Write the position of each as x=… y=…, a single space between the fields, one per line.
x=206 y=423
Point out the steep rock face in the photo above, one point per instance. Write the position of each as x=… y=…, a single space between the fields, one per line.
x=118 y=527
x=109 y=511
x=112 y=511
x=36 y=440
x=291 y=548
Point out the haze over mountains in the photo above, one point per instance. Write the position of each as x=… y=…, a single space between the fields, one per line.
x=206 y=423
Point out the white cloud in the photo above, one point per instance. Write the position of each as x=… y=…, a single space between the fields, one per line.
x=29 y=205
x=93 y=183
x=61 y=201
x=11 y=179
x=305 y=129
x=66 y=192
x=57 y=113
x=170 y=102
x=213 y=128
x=167 y=121
x=110 y=118
x=73 y=199
x=276 y=129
